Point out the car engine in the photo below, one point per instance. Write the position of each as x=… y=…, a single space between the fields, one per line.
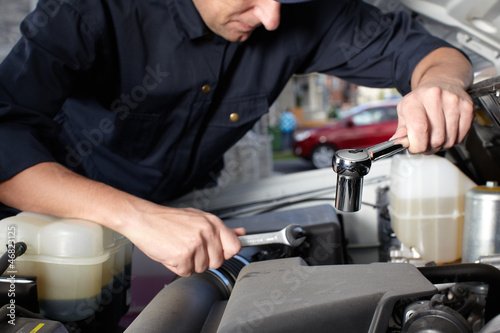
x=319 y=287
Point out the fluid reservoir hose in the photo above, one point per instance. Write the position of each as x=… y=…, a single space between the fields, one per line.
x=13 y=251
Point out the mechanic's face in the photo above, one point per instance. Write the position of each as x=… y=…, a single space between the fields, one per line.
x=235 y=20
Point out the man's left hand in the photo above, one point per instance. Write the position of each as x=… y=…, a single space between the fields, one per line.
x=434 y=117
x=438 y=112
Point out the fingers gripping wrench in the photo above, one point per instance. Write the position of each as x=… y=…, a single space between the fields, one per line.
x=292 y=235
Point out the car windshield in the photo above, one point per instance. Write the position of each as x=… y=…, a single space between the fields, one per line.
x=374 y=116
x=374 y=106
x=347 y=113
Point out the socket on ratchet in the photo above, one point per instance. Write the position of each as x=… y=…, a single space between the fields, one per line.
x=292 y=235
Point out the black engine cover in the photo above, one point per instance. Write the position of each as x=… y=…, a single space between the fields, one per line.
x=287 y=295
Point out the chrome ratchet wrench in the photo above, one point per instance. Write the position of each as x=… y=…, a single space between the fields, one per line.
x=292 y=235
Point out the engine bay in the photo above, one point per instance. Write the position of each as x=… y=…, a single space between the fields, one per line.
x=378 y=270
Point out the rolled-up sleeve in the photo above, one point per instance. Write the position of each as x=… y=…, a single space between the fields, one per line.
x=35 y=79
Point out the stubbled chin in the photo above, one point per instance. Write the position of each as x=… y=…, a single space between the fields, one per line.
x=238 y=36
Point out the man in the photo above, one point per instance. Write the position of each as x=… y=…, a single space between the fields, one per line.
x=108 y=108
x=288 y=124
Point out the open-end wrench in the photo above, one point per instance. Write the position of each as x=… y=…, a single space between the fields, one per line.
x=292 y=235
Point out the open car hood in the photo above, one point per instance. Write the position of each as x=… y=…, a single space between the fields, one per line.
x=473 y=26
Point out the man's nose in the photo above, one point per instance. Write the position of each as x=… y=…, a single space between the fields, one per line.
x=268 y=12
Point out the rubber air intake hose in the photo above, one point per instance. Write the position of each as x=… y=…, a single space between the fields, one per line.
x=184 y=305
x=469 y=273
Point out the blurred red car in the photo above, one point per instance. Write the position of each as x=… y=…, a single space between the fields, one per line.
x=363 y=126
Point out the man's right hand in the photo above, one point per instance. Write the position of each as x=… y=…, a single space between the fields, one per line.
x=184 y=240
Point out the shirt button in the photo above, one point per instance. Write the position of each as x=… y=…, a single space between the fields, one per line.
x=234 y=117
x=206 y=89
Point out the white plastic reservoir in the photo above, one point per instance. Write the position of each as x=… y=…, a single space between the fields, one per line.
x=427 y=204
x=75 y=261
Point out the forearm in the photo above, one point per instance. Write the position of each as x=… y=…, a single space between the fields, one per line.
x=184 y=240
x=50 y=188
x=444 y=66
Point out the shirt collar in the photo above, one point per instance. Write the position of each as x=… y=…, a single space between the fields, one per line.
x=187 y=19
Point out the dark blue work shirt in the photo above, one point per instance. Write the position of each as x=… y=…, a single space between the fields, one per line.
x=140 y=95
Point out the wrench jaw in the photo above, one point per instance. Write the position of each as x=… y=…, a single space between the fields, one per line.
x=295 y=235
